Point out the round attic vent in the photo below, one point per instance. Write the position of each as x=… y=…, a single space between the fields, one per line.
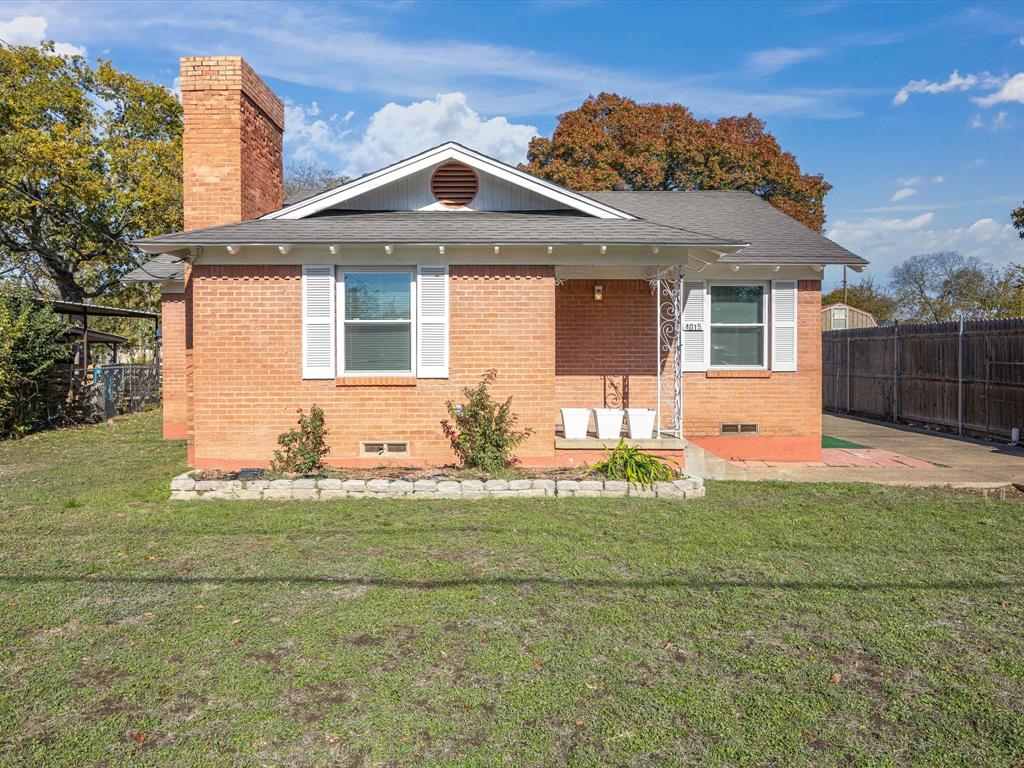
x=454 y=185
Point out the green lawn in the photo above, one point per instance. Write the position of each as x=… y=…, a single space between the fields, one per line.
x=768 y=625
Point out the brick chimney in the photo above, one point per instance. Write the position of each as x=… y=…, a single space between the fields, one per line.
x=234 y=125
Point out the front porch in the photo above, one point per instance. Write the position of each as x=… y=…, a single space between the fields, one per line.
x=616 y=339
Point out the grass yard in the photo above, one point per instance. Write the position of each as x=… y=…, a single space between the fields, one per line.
x=767 y=625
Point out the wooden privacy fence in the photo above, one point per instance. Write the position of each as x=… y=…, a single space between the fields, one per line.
x=965 y=377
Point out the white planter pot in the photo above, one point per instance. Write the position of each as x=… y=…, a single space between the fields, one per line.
x=609 y=423
x=641 y=423
x=575 y=422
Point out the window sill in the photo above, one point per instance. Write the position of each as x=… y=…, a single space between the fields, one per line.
x=738 y=373
x=376 y=381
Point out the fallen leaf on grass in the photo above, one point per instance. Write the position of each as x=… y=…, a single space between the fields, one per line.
x=836 y=678
x=139 y=737
x=200 y=607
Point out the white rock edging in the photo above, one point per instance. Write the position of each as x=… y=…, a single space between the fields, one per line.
x=185 y=487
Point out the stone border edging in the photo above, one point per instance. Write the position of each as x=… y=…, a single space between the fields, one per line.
x=185 y=487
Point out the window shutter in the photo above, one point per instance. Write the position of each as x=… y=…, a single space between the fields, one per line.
x=784 y=297
x=695 y=330
x=318 y=321
x=432 y=321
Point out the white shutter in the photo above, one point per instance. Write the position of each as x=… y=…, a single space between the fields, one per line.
x=695 y=330
x=317 y=321
x=432 y=321
x=784 y=298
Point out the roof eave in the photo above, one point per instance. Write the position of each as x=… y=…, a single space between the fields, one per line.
x=165 y=246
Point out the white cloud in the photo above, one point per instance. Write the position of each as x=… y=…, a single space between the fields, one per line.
x=902 y=194
x=954 y=83
x=343 y=48
x=772 y=60
x=1000 y=121
x=1011 y=91
x=396 y=131
x=977 y=122
x=958 y=82
x=1020 y=41
x=886 y=242
x=908 y=181
x=31 y=30
x=938 y=179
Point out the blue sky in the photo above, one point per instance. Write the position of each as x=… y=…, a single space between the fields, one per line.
x=914 y=112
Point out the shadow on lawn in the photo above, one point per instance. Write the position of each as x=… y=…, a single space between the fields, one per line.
x=957 y=585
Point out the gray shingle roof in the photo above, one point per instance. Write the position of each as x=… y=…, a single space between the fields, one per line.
x=774 y=237
x=449 y=227
x=162 y=267
x=699 y=218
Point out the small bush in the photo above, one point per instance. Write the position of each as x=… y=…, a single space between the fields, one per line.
x=483 y=432
x=628 y=463
x=32 y=342
x=302 y=449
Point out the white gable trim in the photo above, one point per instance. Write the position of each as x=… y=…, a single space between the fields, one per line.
x=447 y=151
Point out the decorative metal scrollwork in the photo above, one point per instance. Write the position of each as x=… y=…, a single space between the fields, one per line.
x=668 y=287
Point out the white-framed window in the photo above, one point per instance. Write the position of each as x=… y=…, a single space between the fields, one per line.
x=737 y=320
x=838 y=318
x=376 y=321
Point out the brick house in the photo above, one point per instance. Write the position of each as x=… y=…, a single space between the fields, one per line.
x=381 y=299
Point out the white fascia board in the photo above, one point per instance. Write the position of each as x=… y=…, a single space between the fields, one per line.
x=449 y=151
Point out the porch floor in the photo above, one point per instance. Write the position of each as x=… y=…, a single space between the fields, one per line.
x=592 y=443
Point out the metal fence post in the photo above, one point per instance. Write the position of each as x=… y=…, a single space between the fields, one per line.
x=960 y=380
x=895 y=371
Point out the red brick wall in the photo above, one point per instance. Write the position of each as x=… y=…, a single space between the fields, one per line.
x=172 y=350
x=605 y=351
x=787 y=405
x=231 y=144
x=232 y=171
x=247 y=380
x=601 y=344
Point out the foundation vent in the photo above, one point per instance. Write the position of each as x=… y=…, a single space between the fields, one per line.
x=384 y=448
x=739 y=429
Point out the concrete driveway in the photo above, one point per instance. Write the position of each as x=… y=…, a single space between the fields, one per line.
x=956 y=461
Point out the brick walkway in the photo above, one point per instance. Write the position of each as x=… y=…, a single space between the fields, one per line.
x=848 y=457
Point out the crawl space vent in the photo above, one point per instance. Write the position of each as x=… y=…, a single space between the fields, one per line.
x=739 y=429
x=384 y=448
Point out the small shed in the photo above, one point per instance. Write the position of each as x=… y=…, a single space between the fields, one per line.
x=839 y=317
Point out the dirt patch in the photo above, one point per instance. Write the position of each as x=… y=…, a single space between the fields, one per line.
x=364 y=641
x=1005 y=493
x=270 y=658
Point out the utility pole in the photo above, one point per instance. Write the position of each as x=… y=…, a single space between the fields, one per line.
x=844 y=285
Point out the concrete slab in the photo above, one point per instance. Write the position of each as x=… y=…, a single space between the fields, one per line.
x=920 y=458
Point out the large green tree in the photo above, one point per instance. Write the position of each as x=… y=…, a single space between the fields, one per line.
x=936 y=287
x=867 y=296
x=90 y=159
x=612 y=140
x=1017 y=217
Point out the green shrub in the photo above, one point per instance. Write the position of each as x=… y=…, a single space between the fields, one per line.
x=629 y=463
x=302 y=449
x=483 y=432
x=32 y=341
